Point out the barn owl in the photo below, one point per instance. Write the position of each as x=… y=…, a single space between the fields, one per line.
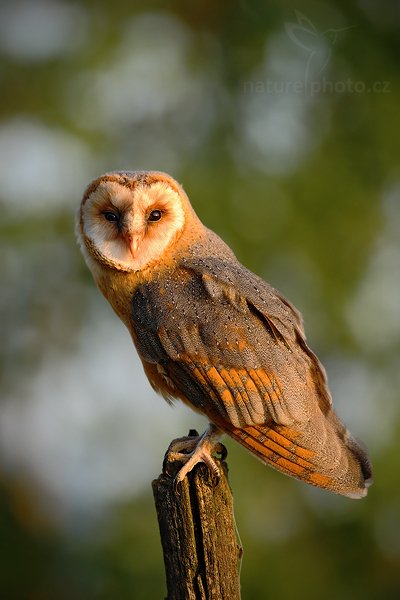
x=213 y=334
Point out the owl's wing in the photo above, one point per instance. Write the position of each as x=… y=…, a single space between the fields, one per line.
x=242 y=327
x=235 y=349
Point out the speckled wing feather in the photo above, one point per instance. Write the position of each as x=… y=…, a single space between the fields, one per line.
x=227 y=343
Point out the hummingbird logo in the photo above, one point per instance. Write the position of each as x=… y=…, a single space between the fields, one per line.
x=318 y=44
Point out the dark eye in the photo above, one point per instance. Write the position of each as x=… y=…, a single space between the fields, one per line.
x=110 y=216
x=155 y=215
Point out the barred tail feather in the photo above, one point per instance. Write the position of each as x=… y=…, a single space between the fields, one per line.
x=336 y=463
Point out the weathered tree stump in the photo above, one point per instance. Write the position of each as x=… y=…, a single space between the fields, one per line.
x=198 y=535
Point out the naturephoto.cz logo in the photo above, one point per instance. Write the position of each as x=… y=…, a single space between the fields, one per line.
x=317 y=47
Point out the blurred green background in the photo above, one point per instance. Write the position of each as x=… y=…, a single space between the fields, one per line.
x=281 y=119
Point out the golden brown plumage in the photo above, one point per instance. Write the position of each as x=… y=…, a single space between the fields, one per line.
x=213 y=334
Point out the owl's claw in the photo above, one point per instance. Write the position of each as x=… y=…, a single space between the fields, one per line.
x=195 y=449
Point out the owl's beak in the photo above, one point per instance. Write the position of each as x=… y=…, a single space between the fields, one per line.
x=133 y=242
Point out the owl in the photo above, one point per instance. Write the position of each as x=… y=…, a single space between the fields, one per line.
x=213 y=334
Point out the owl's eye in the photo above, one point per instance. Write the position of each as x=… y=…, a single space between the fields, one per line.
x=110 y=216
x=155 y=215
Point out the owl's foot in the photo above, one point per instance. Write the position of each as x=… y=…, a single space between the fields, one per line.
x=195 y=449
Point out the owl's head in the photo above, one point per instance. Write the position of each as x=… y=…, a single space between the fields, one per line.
x=127 y=220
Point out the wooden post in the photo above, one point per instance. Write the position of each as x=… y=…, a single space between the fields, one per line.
x=198 y=536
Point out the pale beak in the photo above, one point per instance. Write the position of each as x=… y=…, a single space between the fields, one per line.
x=134 y=241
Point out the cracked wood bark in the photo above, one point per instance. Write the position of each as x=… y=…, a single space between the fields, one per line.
x=198 y=536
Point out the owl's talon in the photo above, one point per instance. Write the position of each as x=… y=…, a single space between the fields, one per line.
x=175 y=486
x=199 y=455
x=194 y=450
x=193 y=433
